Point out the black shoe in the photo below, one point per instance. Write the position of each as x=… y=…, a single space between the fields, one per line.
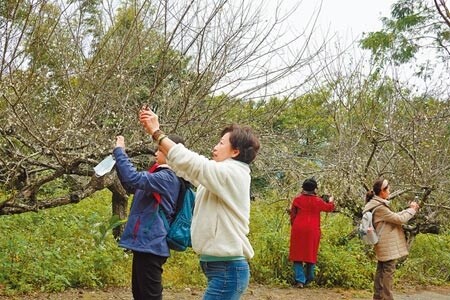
x=298 y=285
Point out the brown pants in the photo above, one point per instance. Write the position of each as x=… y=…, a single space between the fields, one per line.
x=384 y=280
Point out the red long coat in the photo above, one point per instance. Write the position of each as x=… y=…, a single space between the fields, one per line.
x=305 y=231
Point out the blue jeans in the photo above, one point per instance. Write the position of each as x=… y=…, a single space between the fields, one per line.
x=300 y=270
x=227 y=280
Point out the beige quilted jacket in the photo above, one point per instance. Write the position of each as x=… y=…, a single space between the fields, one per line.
x=388 y=224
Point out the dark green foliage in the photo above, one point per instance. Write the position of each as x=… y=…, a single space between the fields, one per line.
x=348 y=264
x=269 y=235
x=55 y=249
x=71 y=246
x=429 y=260
x=377 y=41
x=414 y=26
x=339 y=264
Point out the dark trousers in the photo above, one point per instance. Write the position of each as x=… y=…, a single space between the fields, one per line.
x=384 y=280
x=146 y=276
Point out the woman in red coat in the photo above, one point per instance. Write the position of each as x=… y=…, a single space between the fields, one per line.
x=305 y=231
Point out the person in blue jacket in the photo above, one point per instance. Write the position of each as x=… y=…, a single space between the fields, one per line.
x=145 y=233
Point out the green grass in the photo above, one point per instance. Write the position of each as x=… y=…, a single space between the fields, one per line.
x=56 y=249
x=65 y=247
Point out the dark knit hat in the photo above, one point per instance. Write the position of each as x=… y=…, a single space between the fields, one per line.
x=309 y=185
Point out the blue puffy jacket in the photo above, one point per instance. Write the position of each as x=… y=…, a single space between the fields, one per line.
x=145 y=230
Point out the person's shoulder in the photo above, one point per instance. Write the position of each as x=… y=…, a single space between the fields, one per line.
x=234 y=162
x=162 y=168
x=298 y=196
x=310 y=195
x=164 y=171
x=303 y=196
x=371 y=204
x=319 y=200
x=233 y=166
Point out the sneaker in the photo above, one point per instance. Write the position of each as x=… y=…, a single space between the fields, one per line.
x=298 y=285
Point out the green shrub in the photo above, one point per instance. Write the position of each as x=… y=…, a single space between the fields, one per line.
x=183 y=270
x=71 y=246
x=269 y=235
x=429 y=260
x=348 y=263
x=55 y=249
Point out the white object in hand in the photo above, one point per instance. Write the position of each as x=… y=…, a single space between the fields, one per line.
x=104 y=166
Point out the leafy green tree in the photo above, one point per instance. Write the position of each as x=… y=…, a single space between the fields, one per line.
x=415 y=29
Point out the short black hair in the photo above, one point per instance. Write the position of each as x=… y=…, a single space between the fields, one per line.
x=176 y=138
x=309 y=185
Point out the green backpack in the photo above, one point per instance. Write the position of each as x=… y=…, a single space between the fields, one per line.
x=179 y=230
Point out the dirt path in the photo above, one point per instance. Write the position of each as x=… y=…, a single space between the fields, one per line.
x=255 y=292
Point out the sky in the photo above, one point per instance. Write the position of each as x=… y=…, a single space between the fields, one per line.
x=348 y=17
x=338 y=21
x=342 y=20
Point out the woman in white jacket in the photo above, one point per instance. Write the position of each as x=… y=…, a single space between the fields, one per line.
x=392 y=242
x=220 y=223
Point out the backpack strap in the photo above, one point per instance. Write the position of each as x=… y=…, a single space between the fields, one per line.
x=373 y=208
x=184 y=186
x=373 y=214
x=159 y=210
x=163 y=217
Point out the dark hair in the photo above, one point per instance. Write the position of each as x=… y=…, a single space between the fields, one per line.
x=376 y=189
x=176 y=138
x=243 y=139
x=309 y=185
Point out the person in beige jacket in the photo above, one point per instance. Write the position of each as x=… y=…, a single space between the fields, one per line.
x=391 y=238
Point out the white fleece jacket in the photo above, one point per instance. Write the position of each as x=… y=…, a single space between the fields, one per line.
x=220 y=224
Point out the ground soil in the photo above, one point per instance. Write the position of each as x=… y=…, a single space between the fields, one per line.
x=255 y=292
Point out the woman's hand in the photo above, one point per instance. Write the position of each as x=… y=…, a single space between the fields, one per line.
x=414 y=205
x=120 y=141
x=148 y=119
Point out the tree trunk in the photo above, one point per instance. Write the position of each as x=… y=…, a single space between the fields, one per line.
x=119 y=208
x=119 y=205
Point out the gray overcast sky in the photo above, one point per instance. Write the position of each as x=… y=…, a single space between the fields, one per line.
x=350 y=17
x=346 y=18
x=339 y=21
